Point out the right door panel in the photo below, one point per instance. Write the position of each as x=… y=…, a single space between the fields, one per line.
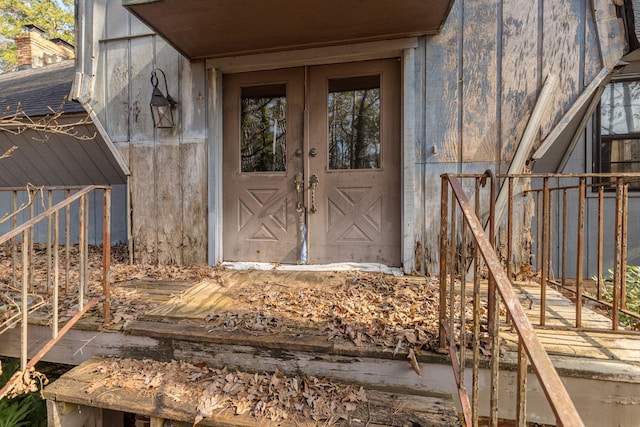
x=353 y=165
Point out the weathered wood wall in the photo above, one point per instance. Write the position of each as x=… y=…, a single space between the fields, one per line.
x=477 y=83
x=168 y=166
x=484 y=73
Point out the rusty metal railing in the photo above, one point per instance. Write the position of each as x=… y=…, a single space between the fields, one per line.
x=46 y=291
x=564 y=204
x=462 y=231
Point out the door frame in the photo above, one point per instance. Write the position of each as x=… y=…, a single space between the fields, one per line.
x=406 y=49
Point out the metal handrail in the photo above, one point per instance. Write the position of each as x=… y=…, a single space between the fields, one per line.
x=529 y=344
x=25 y=231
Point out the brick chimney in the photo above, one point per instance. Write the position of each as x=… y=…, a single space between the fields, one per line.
x=35 y=51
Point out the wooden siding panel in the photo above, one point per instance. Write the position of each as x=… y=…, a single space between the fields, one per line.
x=592 y=58
x=168 y=177
x=168 y=193
x=562 y=41
x=519 y=71
x=143 y=204
x=193 y=160
x=442 y=143
x=117 y=20
x=480 y=76
x=193 y=163
x=192 y=109
x=138 y=28
x=141 y=66
x=116 y=75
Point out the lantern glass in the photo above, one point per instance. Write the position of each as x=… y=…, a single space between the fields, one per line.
x=161 y=106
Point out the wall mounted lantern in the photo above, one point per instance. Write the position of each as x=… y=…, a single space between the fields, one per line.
x=161 y=106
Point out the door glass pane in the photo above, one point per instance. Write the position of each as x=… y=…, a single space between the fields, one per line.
x=264 y=128
x=354 y=123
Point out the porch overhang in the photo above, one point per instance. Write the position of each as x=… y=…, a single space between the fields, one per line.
x=216 y=28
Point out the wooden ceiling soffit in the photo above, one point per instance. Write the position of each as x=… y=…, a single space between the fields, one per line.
x=217 y=28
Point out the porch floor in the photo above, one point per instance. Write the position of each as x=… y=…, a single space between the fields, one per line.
x=271 y=321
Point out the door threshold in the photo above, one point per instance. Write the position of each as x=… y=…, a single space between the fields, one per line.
x=338 y=266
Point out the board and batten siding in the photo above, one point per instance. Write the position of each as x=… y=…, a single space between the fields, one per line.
x=476 y=84
x=484 y=73
x=168 y=181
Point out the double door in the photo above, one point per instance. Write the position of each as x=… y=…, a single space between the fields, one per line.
x=312 y=164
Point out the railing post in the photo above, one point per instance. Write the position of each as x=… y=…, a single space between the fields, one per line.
x=14 y=241
x=494 y=311
x=81 y=248
x=617 y=256
x=56 y=272
x=475 y=394
x=25 y=291
x=564 y=237
x=510 y=228
x=623 y=271
x=580 y=252
x=31 y=236
x=492 y=240
x=521 y=398
x=67 y=242
x=543 y=248
x=444 y=245
x=600 y=240
x=49 y=231
x=106 y=254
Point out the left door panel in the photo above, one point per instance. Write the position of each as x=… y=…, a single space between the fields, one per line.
x=262 y=131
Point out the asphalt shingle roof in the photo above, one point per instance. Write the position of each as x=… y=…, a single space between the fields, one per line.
x=37 y=89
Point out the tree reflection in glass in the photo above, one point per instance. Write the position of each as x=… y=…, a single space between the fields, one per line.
x=264 y=129
x=354 y=123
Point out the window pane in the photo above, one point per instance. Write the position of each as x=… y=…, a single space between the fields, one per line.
x=620 y=108
x=264 y=129
x=354 y=123
x=622 y=155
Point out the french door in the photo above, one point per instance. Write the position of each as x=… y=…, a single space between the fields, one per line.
x=312 y=164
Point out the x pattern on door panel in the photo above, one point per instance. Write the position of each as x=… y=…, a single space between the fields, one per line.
x=354 y=214
x=271 y=224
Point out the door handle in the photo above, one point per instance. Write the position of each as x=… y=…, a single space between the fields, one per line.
x=299 y=183
x=313 y=183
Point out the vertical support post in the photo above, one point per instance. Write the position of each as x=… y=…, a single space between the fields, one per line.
x=521 y=398
x=67 y=242
x=623 y=269
x=81 y=249
x=543 y=256
x=463 y=302
x=539 y=214
x=14 y=241
x=564 y=237
x=86 y=244
x=49 y=231
x=494 y=314
x=56 y=272
x=444 y=245
x=33 y=195
x=106 y=254
x=510 y=229
x=475 y=394
x=549 y=248
x=580 y=252
x=617 y=256
x=24 y=341
x=492 y=297
x=600 y=240
x=453 y=269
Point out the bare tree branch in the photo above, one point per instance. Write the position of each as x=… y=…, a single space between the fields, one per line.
x=17 y=122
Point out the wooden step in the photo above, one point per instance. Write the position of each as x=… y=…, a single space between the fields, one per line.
x=103 y=388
